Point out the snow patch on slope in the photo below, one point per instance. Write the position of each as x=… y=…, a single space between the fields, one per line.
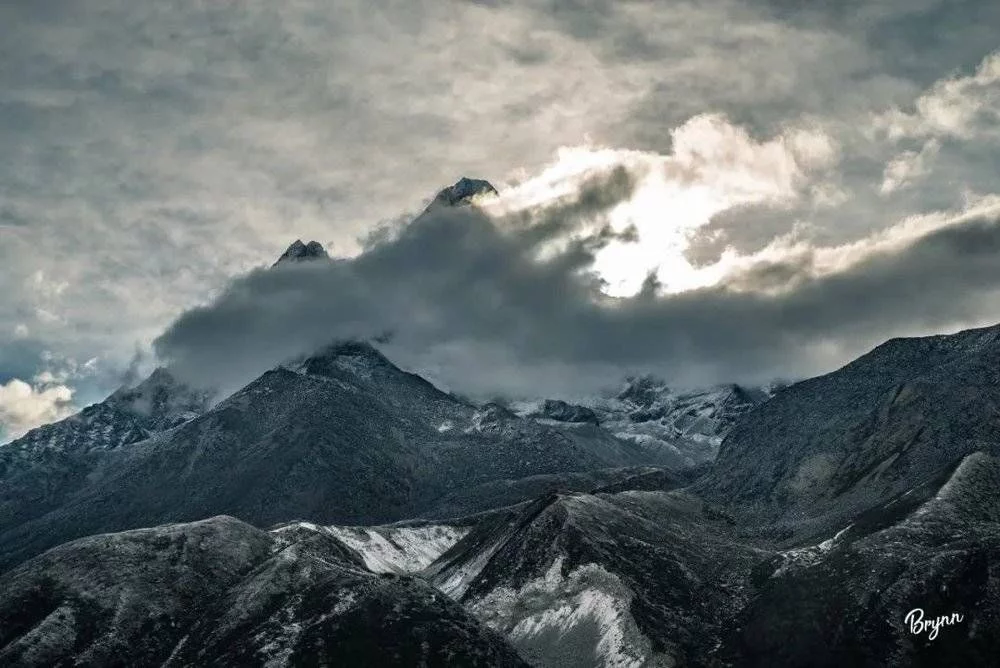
x=804 y=557
x=457 y=582
x=580 y=619
x=388 y=549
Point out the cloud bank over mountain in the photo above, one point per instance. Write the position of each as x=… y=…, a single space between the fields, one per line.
x=155 y=154
x=511 y=303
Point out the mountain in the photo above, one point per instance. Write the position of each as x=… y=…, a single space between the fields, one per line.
x=827 y=448
x=689 y=423
x=343 y=436
x=46 y=466
x=464 y=191
x=663 y=578
x=300 y=252
x=128 y=415
x=845 y=600
x=633 y=578
x=736 y=569
x=849 y=519
x=220 y=592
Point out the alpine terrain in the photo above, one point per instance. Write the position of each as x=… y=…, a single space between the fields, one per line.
x=341 y=510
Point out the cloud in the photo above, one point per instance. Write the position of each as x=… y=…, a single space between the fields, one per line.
x=24 y=406
x=713 y=166
x=153 y=153
x=907 y=167
x=960 y=107
x=472 y=302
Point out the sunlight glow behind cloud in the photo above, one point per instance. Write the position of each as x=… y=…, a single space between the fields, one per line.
x=714 y=166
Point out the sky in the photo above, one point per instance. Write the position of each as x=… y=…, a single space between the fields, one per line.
x=710 y=191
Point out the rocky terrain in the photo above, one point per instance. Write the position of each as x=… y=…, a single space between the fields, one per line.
x=220 y=592
x=689 y=423
x=823 y=450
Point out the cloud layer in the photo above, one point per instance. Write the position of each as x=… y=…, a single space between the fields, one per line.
x=24 y=406
x=153 y=153
x=489 y=305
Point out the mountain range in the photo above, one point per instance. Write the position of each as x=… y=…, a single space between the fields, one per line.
x=339 y=510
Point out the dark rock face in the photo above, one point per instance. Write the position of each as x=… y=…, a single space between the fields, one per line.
x=341 y=437
x=825 y=449
x=555 y=409
x=463 y=191
x=751 y=565
x=46 y=466
x=128 y=415
x=663 y=578
x=845 y=602
x=299 y=252
x=608 y=579
x=219 y=592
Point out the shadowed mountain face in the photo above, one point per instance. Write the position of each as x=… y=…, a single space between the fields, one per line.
x=845 y=601
x=748 y=566
x=340 y=437
x=45 y=467
x=220 y=592
x=827 y=448
x=635 y=578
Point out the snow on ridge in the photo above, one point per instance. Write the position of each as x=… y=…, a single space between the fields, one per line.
x=582 y=616
x=457 y=582
x=390 y=549
x=804 y=557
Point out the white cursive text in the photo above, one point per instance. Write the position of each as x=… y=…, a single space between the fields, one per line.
x=915 y=620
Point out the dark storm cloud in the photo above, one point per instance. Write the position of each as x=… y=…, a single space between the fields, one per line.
x=515 y=320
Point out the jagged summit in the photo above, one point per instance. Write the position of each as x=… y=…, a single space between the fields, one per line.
x=299 y=251
x=463 y=191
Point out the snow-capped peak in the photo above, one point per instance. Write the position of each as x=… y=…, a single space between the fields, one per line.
x=299 y=251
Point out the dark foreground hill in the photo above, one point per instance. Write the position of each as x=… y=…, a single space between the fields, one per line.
x=220 y=592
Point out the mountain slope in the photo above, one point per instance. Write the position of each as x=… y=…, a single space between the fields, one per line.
x=662 y=578
x=219 y=592
x=691 y=423
x=826 y=448
x=43 y=468
x=339 y=437
x=636 y=578
x=845 y=602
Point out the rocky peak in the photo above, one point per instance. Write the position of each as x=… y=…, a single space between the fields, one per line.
x=298 y=252
x=644 y=391
x=561 y=411
x=463 y=191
